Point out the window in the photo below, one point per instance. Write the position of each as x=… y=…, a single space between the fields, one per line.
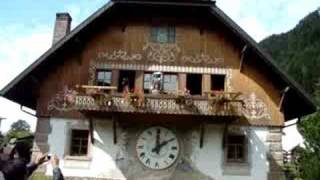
x=236 y=148
x=79 y=142
x=170 y=83
x=147 y=80
x=163 y=34
x=217 y=82
x=103 y=78
x=194 y=84
x=126 y=80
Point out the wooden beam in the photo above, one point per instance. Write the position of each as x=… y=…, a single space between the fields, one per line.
x=225 y=134
x=242 y=57
x=284 y=92
x=91 y=130
x=202 y=129
x=115 y=121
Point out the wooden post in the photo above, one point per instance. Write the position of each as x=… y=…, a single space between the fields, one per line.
x=115 y=78
x=115 y=121
x=139 y=80
x=202 y=131
x=242 y=57
x=91 y=130
x=182 y=79
x=206 y=83
x=284 y=92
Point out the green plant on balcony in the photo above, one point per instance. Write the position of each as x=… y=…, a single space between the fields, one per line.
x=222 y=101
x=135 y=98
x=183 y=98
x=103 y=99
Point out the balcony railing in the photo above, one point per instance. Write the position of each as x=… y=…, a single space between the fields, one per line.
x=149 y=103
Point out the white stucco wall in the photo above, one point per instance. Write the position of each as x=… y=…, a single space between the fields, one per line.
x=210 y=158
x=104 y=154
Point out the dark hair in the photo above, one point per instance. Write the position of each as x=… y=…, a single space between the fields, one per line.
x=14 y=169
x=23 y=150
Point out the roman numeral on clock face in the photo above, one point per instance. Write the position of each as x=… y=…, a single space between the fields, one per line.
x=157 y=148
x=171 y=156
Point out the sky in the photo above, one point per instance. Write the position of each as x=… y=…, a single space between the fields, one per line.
x=26 y=30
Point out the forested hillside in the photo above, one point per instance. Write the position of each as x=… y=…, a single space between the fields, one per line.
x=298 y=51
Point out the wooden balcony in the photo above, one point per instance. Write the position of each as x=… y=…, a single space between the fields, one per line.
x=157 y=105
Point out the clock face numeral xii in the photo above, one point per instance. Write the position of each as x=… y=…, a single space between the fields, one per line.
x=157 y=148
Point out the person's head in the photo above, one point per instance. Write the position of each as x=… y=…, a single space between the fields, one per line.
x=14 y=170
x=22 y=149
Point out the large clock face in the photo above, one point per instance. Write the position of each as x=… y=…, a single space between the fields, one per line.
x=157 y=148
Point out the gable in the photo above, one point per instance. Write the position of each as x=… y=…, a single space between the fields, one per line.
x=25 y=88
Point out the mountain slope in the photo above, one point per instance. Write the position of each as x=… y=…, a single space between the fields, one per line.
x=298 y=51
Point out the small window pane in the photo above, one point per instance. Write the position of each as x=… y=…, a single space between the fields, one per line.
x=163 y=34
x=103 y=78
x=147 y=82
x=170 y=83
x=235 y=148
x=79 y=142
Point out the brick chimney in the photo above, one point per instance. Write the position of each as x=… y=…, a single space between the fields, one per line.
x=62 y=26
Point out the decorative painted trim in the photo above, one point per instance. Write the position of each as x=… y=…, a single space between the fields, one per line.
x=122 y=152
x=195 y=137
x=162 y=68
x=202 y=59
x=254 y=108
x=161 y=52
x=119 y=55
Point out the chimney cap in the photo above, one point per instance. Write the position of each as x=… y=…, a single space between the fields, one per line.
x=63 y=16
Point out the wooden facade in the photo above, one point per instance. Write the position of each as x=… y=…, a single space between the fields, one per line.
x=118 y=38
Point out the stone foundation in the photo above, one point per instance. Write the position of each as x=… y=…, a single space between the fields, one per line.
x=275 y=157
x=40 y=144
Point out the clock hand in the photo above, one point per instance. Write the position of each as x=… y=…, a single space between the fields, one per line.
x=157 y=141
x=158 y=148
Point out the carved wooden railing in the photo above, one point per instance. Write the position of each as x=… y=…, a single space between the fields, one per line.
x=213 y=104
x=157 y=104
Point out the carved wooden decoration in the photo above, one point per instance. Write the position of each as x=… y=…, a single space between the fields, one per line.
x=254 y=108
x=64 y=100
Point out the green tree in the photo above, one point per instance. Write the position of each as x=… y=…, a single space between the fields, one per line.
x=19 y=129
x=309 y=161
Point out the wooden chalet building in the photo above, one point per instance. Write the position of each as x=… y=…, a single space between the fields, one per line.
x=159 y=90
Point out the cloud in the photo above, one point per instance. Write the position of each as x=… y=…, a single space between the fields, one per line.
x=18 y=49
x=263 y=18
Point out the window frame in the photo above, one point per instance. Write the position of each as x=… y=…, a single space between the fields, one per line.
x=104 y=71
x=71 y=144
x=212 y=82
x=245 y=148
x=170 y=31
x=147 y=89
x=177 y=81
